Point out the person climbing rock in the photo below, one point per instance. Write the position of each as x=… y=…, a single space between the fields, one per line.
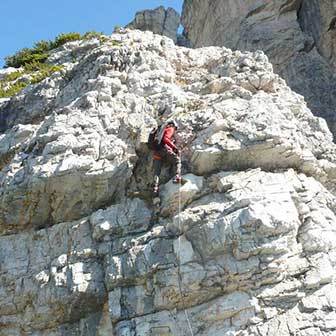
x=164 y=149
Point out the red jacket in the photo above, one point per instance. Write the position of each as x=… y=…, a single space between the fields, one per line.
x=167 y=137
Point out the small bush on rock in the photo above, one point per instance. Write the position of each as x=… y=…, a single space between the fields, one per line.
x=11 y=90
x=64 y=38
x=42 y=46
x=46 y=70
x=32 y=60
x=40 y=52
x=92 y=34
x=13 y=76
x=11 y=84
x=25 y=56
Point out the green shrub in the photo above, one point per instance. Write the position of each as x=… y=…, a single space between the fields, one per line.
x=25 y=56
x=13 y=76
x=38 y=72
x=64 y=38
x=42 y=46
x=33 y=66
x=45 y=71
x=92 y=34
x=11 y=90
x=40 y=52
x=33 y=62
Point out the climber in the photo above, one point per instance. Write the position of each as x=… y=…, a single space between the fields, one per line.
x=162 y=143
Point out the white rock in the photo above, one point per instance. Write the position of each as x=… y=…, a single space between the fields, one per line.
x=252 y=249
x=175 y=197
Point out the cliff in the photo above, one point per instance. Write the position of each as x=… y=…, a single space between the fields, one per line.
x=246 y=246
x=159 y=21
x=297 y=35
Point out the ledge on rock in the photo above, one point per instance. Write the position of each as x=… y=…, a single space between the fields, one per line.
x=176 y=196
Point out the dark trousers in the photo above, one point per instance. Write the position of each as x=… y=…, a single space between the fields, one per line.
x=158 y=159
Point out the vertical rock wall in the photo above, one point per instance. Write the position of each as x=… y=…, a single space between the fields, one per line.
x=297 y=35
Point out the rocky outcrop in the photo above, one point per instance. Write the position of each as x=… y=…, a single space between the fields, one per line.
x=244 y=247
x=159 y=21
x=297 y=35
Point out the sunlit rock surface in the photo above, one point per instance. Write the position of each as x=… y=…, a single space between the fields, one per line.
x=247 y=247
x=298 y=36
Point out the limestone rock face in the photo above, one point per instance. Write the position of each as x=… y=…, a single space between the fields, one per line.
x=245 y=246
x=297 y=35
x=159 y=20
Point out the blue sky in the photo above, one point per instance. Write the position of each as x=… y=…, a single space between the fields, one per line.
x=25 y=22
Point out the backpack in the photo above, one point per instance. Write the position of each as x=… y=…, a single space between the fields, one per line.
x=153 y=141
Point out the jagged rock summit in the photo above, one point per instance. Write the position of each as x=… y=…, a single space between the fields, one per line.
x=298 y=36
x=159 y=21
x=252 y=249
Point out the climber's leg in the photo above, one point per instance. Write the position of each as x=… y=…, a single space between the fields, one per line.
x=177 y=162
